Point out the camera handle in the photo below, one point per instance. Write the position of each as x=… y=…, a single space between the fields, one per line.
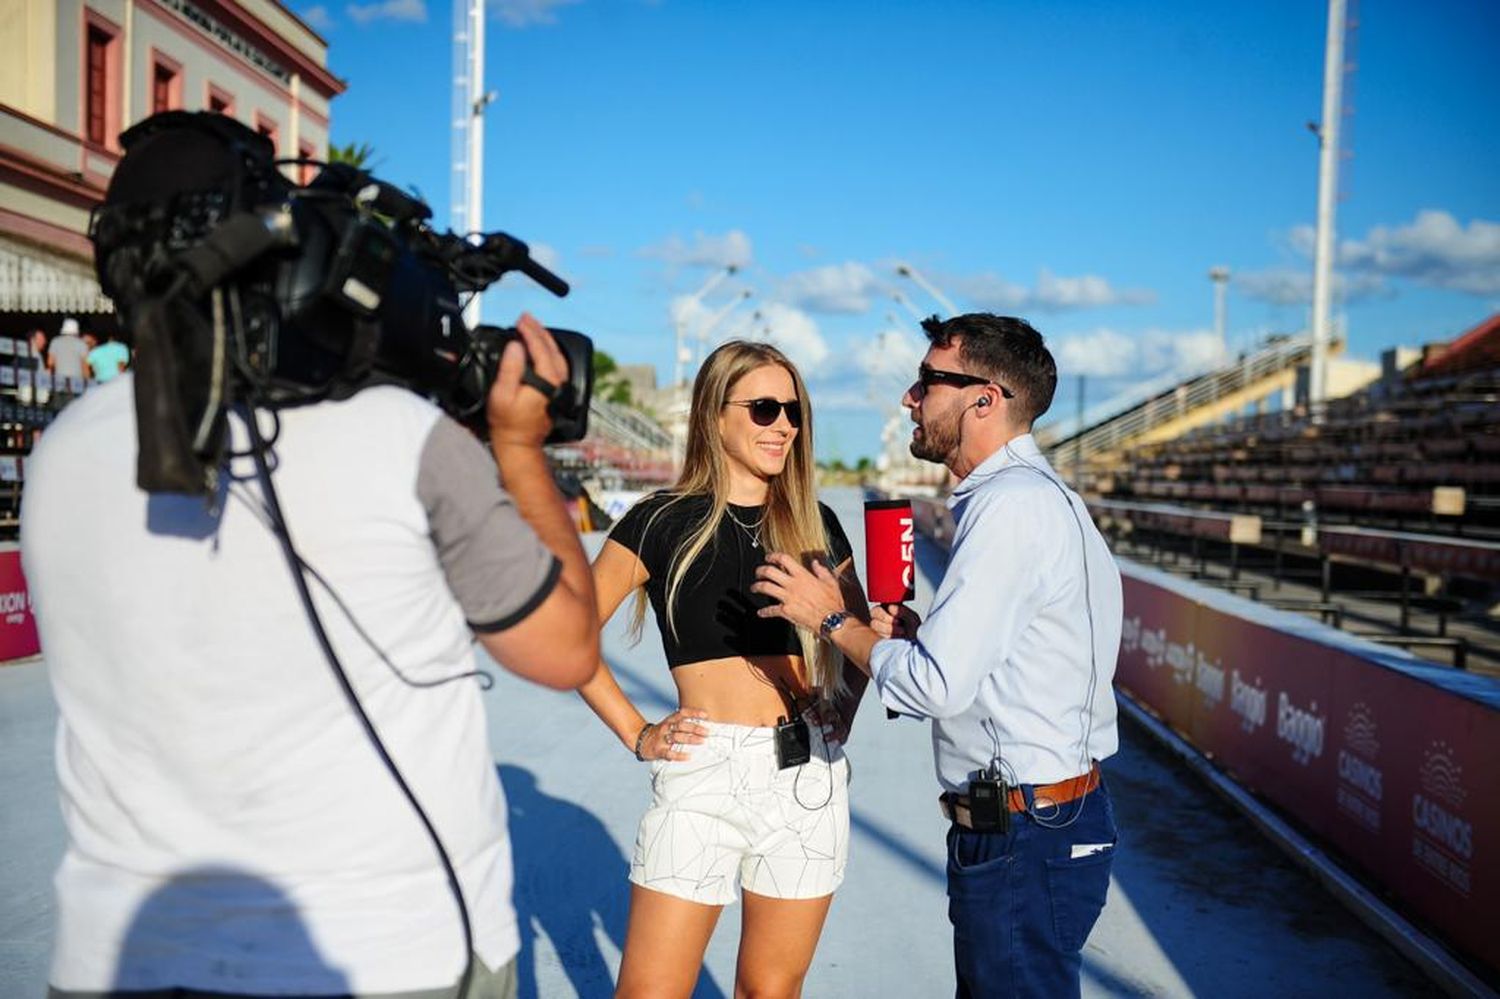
x=476 y=267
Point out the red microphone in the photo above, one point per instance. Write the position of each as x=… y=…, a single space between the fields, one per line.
x=890 y=566
x=890 y=561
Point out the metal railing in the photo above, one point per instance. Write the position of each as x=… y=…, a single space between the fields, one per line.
x=627 y=427
x=1181 y=400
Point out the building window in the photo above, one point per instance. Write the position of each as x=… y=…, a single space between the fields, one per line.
x=166 y=87
x=220 y=101
x=265 y=126
x=306 y=171
x=96 y=85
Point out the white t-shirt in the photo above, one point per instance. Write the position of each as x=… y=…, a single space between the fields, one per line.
x=230 y=827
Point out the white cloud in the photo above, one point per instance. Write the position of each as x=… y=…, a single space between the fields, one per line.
x=527 y=13
x=688 y=312
x=546 y=255
x=1052 y=293
x=1108 y=353
x=1101 y=354
x=317 y=18
x=1433 y=249
x=703 y=250
x=1088 y=291
x=837 y=288
x=990 y=291
x=798 y=336
x=1293 y=285
x=893 y=356
x=695 y=317
x=388 y=10
x=785 y=326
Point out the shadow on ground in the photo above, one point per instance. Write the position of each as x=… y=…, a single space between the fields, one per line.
x=571 y=886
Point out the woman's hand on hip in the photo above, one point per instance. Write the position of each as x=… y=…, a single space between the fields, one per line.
x=664 y=740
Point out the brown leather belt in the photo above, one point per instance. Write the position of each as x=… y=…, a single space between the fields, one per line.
x=956 y=806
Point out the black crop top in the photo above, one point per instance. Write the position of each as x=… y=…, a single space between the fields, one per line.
x=715 y=612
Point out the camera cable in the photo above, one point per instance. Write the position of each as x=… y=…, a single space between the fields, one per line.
x=279 y=528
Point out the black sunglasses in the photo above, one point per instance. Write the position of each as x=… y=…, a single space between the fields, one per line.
x=764 y=412
x=928 y=377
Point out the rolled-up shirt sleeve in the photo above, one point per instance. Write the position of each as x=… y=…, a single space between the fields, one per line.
x=991 y=589
x=496 y=566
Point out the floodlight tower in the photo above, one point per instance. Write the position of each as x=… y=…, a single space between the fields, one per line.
x=1328 y=182
x=908 y=271
x=1220 y=277
x=717 y=318
x=469 y=101
x=905 y=303
x=684 y=352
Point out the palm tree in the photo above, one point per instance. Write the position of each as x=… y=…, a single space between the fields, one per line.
x=357 y=154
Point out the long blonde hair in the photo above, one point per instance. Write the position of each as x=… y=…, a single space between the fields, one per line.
x=793 y=522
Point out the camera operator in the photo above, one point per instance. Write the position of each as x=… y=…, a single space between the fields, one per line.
x=231 y=830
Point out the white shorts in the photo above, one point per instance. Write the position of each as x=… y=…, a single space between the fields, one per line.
x=728 y=816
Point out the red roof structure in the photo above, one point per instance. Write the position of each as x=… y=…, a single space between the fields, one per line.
x=1477 y=349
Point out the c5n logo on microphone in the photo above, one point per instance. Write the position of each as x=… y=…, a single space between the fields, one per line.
x=908 y=553
x=890 y=550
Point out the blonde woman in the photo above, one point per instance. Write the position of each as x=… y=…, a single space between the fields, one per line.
x=749 y=781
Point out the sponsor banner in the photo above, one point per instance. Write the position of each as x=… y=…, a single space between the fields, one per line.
x=1158 y=651
x=17 y=625
x=1384 y=762
x=1261 y=707
x=1424 y=753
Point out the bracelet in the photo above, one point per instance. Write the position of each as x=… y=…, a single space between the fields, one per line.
x=640 y=738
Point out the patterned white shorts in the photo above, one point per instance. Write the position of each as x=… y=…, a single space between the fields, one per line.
x=728 y=816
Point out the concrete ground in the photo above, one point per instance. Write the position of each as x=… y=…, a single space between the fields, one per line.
x=1199 y=905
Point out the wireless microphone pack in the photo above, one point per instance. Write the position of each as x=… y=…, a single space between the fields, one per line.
x=793 y=743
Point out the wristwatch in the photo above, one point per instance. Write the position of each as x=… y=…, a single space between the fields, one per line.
x=832 y=623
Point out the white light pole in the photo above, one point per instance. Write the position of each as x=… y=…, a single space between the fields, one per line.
x=1220 y=277
x=678 y=417
x=681 y=356
x=717 y=318
x=908 y=271
x=745 y=330
x=1328 y=180
x=469 y=101
x=905 y=303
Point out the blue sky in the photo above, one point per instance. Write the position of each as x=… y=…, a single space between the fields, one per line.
x=1080 y=164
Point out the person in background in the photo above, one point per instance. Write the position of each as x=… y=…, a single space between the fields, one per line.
x=108 y=359
x=67 y=355
x=38 y=342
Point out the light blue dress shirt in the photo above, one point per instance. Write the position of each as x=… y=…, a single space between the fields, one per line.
x=1002 y=662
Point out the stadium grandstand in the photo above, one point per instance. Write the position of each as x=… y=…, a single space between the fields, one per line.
x=1380 y=514
x=626 y=453
x=625 y=450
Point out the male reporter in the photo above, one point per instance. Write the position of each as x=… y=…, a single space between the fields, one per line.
x=231 y=830
x=1013 y=664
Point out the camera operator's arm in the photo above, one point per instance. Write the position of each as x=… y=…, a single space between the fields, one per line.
x=558 y=643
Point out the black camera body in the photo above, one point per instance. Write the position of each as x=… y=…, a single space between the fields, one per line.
x=242 y=287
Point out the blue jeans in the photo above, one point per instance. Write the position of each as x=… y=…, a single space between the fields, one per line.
x=1022 y=904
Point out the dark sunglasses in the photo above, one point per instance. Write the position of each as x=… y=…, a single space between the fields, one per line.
x=764 y=412
x=928 y=377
